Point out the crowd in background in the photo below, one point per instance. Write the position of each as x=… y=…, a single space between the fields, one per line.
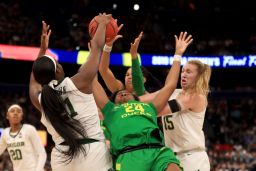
x=230 y=132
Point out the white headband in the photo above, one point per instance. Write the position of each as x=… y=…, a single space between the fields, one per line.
x=53 y=83
x=13 y=106
x=53 y=60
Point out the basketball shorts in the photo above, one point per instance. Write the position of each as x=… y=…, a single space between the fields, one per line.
x=194 y=161
x=154 y=159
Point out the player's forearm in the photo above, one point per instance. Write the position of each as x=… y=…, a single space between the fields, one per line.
x=173 y=75
x=98 y=40
x=107 y=75
x=104 y=62
x=137 y=78
x=92 y=64
x=42 y=52
x=99 y=94
x=169 y=87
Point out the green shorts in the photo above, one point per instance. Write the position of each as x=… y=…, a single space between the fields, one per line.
x=154 y=159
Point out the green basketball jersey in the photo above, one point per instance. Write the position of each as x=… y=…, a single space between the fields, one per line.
x=105 y=131
x=131 y=124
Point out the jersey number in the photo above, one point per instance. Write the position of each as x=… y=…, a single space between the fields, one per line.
x=129 y=108
x=71 y=110
x=16 y=154
x=168 y=124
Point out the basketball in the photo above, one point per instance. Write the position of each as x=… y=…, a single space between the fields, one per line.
x=111 y=29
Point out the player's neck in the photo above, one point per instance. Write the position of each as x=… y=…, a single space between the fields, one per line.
x=15 y=127
x=188 y=92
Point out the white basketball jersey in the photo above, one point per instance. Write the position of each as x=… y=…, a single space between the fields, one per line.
x=81 y=107
x=22 y=150
x=183 y=129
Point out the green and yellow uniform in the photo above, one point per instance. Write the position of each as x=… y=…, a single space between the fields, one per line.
x=133 y=124
x=104 y=129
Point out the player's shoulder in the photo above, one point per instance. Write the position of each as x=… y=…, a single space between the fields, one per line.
x=29 y=127
x=66 y=84
x=199 y=101
x=65 y=81
x=175 y=93
x=199 y=97
x=177 y=90
x=6 y=130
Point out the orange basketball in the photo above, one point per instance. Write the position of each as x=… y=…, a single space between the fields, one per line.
x=111 y=29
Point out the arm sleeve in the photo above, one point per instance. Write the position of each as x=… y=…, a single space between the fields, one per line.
x=3 y=144
x=39 y=149
x=137 y=78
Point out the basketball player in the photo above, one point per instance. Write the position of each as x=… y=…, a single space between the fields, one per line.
x=68 y=107
x=183 y=126
x=136 y=140
x=22 y=142
x=139 y=75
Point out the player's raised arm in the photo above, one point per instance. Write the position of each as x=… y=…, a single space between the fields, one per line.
x=172 y=78
x=107 y=75
x=34 y=86
x=137 y=76
x=87 y=72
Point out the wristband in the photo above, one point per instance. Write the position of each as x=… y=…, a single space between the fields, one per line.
x=177 y=58
x=107 y=48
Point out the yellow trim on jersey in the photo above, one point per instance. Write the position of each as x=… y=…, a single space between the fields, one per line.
x=118 y=166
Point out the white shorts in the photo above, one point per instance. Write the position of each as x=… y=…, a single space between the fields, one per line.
x=194 y=161
x=98 y=158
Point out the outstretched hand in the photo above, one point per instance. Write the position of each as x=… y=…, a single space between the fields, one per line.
x=46 y=32
x=117 y=36
x=103 y=18
x=135 y=45
x=182 y=43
